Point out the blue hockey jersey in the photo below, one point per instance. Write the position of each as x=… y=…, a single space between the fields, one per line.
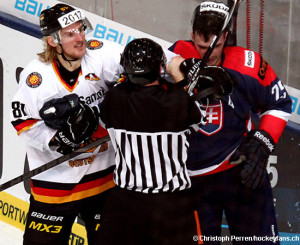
x=258 y=91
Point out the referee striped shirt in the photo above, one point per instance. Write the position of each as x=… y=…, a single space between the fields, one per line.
x=149 y=162
x=149 y=127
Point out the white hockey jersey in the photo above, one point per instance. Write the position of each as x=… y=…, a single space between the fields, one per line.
x=89 y=173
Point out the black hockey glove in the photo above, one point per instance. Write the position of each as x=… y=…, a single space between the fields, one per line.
x=211 y=81
x=75 y=124
x=55 y=112
x=254 y=153
x=63 y=143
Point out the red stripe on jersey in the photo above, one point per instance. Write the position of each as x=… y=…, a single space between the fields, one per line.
x=245 y=61
x=249 y=63
x=66 y=85
x=222 y=167
x=186 y=49
x=78 y=188
x=273 y=125
x=25 y=125
x=100 y=132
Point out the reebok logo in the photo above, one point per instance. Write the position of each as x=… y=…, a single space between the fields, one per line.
x=265 y=140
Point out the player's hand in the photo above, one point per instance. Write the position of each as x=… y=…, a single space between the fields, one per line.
x=75 y=124
x=254 y=153
x=210 y=81
x=190 y=68
x=173 y=68
x=56 y=112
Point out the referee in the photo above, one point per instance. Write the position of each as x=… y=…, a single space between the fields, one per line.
x=149 y=120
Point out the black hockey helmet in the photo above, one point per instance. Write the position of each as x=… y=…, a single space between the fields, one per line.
x=209 y=17
x=142 y=60
x=60 y=16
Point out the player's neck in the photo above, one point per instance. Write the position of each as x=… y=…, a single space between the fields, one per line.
x=69 y=65
x=70 y=77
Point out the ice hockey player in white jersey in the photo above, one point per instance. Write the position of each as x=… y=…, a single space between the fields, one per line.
x=79 y=71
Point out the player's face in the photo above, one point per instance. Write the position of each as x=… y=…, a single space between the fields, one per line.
x=202 y=46
x=72 y=39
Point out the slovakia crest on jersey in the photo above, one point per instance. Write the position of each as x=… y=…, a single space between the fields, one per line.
x=214 y=119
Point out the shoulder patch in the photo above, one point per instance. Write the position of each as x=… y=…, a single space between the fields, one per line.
x=92 y=77
x=262 y=68
x=94 y=44
x=122 y=79
x=34 y=80
x=249 y=58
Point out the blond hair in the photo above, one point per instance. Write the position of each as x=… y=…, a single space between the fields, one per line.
x=49 y=53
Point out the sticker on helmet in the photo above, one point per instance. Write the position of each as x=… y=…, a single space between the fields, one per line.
x=71 y=18
x=212 y=6
x=42 y=17
x=94 y=44
x=34 y=79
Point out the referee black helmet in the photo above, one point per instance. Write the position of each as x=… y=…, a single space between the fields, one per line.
x=142 y=60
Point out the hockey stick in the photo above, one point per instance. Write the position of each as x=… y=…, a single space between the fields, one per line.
x=200 y=64
x=232 y=39
x=52 y=163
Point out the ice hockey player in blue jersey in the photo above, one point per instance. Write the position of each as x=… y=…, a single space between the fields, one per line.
x=242 y=191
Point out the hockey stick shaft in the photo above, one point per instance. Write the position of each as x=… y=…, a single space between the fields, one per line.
x=232 y=39
x=213 y=43
x=52 y=163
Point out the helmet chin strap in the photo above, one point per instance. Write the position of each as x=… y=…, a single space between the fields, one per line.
x=65 y=58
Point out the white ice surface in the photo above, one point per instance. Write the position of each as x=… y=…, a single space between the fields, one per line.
x=10 y=235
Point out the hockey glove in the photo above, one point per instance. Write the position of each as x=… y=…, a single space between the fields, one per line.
x=254 y=153
x=75 y=124
x=211 y=81
x=62 y=142
x=55 y=112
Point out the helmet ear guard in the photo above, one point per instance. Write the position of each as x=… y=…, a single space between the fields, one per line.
x=56 y=37
x=142 y=60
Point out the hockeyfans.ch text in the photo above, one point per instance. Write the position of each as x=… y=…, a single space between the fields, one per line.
x=245 y=239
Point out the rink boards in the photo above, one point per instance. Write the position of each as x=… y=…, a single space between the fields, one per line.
x=20 y=43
